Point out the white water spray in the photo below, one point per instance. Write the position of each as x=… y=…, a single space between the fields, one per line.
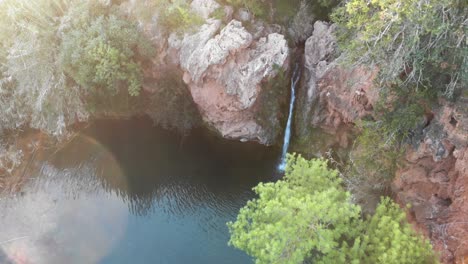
x=287 y=133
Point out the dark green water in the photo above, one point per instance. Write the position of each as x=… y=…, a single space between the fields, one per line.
x=126 y=192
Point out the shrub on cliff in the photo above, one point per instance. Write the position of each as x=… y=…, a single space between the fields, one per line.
x=172 y=16
x=415 y=43
x=34 y=89
x=54 y=52
x=388 y=238
x=177 y=16
x=419 y=47
x=308 y=216
x=378 y=149
x=103 y=53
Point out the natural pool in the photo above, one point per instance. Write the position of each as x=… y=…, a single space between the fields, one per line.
x=126 y=192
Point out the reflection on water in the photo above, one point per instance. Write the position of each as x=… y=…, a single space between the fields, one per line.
x=58 y=219
x=124 y=192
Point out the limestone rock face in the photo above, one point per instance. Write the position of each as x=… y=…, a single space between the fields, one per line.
x=331 y=97
x=224 y=72
x=203 y=49
x=263 y=61
x=319 y=49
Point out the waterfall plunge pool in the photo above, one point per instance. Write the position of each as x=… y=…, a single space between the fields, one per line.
x=127 y=192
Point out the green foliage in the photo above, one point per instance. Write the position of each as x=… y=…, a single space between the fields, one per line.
x=102 y=54
x=417 y=44
x=177 y=16
x=322 y=9
x=33 y=87
x=380 y=141
x=325 y=3
x=378 y=149
x=388 y=238
x=55 y=53
x=308 y=217
x=305 y=215
x=419 y=48
x=172 y=15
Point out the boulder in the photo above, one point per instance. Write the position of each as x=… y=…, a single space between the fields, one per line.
x=224 y=72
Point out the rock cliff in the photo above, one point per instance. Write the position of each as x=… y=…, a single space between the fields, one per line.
x=226 y=68
x=434 y=180
x=331 y=97
x=434 y=176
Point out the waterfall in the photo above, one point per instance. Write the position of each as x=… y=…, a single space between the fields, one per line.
x=287 y=133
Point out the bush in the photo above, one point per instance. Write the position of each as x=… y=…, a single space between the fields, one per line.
x=388 y=238
x=305 y=215
x=308 y=217
x=417 y=44
x=34 y=90
x=378 y=149
x=178 y=17
x=172 y=16
x=103 y=54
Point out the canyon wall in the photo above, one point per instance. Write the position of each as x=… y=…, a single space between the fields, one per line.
x=433 y=178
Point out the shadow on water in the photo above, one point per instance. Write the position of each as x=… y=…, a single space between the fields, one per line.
x=156 y=164
x=127 y=192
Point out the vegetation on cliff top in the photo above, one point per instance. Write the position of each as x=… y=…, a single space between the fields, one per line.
x=416 y=44
x=64 y=61
x=103 y=52
x=172 y=16
x=57 y=54
x=420 y=50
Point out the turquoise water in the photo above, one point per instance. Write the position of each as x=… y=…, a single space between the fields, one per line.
x=126 y=192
